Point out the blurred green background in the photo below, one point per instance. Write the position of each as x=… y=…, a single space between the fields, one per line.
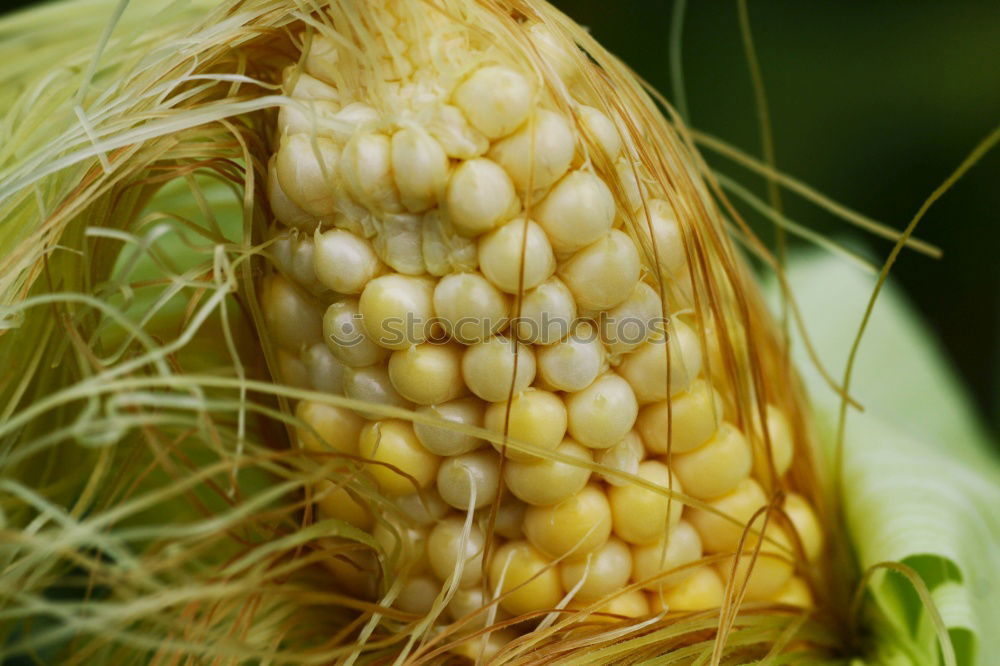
x=874 y=103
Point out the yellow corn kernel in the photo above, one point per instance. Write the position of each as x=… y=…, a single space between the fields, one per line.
x=331 y=428
x=602 y=571
x=427 y=374
x=702 y=590
x=533 y=417
x=720 y=533
x=397 y=310
x=400 y=465
x=333 y=501
x=717 y=466
x=575 y=526
x=641 y=515
x=524 y=579
x=652 y=562
x=683 y=423
x=806 y=524
x=546 y=481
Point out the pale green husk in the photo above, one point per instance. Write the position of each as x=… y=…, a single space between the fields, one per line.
x=922 y=485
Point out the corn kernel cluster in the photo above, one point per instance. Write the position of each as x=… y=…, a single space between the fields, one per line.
x=457 y=245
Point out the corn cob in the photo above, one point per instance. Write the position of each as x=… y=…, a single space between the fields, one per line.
x=472 y=226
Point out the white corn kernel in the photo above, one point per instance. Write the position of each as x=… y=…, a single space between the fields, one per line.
x=398 y=310
x=547 y=313
x=446 y=552
x=473 y=475
x=399 y=242
x=555 y=52
x=578 y=525
x=628 y=176
x=495 y=99
x=603 y=413
x=601 y=129
x=539 y=153
x=479 y=197
x=299 y=85
x=366 y=172
x=534 y=417
x=545 y=481
x=632 y=322
x=444 y=250
x=348 y=121
x=457 y=138
x=309 y=117
x=574 y=363
x=470 y=306
x=443 y=440
x=641 y=515
x=285 y=210
x=294 y=253
x=293 y=319
x=306 y=167
x=576 y=212
x=322 y=59
x=516 y=256
x=345 y=337
x=604 y=273
x=420 y=168
x=428 y=373
x=373 y=385
x=344 y=262
x=422 y=508
x=624 y=456
x=498 y=368
x=660 y=237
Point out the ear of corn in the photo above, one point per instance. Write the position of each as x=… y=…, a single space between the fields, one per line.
x=570 y=454
x=558 y=312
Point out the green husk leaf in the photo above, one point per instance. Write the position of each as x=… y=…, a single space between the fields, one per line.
x=922 y=484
